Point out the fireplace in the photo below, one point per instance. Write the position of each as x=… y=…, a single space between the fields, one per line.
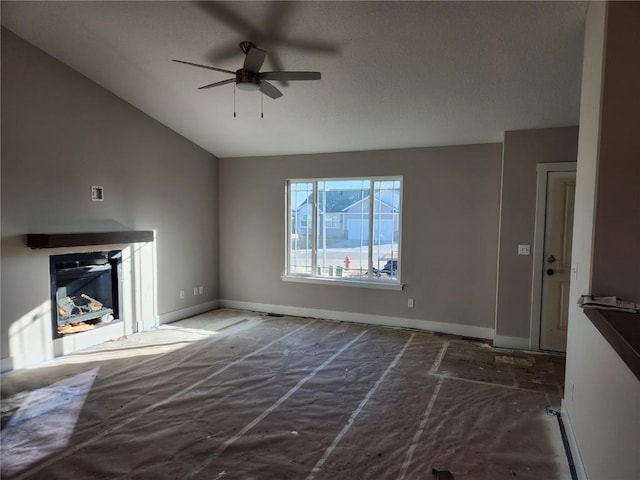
x=85 y=291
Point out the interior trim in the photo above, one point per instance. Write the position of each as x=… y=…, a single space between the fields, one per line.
x=78 y=341
x=187 y=312
x=543 y=170
x=382 y=320
x=341 y=282
x=517 y=343
x=56 y=240
x=573 y=445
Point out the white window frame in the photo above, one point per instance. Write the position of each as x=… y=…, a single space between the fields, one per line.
x=370 y=282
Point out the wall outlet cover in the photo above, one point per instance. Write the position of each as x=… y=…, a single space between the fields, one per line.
x=524 y=249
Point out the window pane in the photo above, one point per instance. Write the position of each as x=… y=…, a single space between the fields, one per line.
x=345 y=228
x=386 y=228
x=342 y=235
x=301 y=228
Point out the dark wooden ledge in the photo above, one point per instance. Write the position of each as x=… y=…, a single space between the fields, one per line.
x=622 y=331
x=56 y=240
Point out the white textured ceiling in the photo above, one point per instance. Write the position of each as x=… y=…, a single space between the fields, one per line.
x=394 y=74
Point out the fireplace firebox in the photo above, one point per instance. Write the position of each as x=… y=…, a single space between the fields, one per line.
x=85 y=291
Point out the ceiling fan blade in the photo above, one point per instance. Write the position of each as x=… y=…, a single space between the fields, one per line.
x=229 y=16
x=272 y=33
x=205 y=66
x=310 y=45
x=278 y=15
x=274 y=58
x=290 y=75
x=217 y=84
x=254 y=59
x=269 y=90
x=224 y=52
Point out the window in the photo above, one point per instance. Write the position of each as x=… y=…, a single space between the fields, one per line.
x=332 y=220
x=344 y=229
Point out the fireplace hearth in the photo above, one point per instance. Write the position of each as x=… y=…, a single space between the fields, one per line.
x=85 y=291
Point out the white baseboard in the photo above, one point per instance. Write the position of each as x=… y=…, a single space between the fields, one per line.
x=9 y=363
x=383 y=320
x=573 y=445
x=516 y=343
x=188 y=312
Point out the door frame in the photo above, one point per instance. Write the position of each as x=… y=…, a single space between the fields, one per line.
x=543 y=170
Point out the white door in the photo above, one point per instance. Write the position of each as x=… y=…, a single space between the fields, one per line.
x=556 y=265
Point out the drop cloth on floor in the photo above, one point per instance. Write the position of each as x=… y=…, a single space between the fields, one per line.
x=238 y=395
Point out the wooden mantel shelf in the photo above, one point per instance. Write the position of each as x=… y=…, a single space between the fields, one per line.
x=622 y=331
x=57 y=240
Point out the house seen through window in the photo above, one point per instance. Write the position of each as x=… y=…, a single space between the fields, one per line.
x=344 y=228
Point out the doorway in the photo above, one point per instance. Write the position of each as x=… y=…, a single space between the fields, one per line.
x=552 y=255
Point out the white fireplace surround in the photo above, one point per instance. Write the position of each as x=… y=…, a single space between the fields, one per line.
x=31 y=339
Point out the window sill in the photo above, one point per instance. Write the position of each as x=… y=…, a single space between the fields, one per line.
x=343 y=282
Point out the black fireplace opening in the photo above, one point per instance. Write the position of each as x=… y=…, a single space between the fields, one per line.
x=86 y=291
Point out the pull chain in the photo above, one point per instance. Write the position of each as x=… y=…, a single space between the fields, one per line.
x=261 y=103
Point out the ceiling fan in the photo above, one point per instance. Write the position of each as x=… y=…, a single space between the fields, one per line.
x=250 y=78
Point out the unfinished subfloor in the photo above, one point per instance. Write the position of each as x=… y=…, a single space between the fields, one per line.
x=239 y=395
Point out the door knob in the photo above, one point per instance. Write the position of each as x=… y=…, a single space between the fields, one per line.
x=551 y=259
x=550 y=271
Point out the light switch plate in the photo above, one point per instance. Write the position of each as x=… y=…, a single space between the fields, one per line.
x=524 y=249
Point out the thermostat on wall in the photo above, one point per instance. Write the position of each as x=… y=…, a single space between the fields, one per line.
x=97 y=193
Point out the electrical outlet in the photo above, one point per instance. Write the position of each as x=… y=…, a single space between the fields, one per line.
x=201 y=290
x=181 y=294
x=195 y=290
x=410 y=302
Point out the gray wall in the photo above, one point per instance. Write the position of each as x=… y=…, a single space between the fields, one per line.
x=523 y=150
x=602 y=395
x=449 y=237
x=62 y=133
x=616 y=244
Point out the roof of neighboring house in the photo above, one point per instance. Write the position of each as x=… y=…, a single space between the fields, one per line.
x=338 y=201
x=390 y=198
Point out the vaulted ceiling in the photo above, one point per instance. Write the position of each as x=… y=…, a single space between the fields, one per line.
x=394 y=74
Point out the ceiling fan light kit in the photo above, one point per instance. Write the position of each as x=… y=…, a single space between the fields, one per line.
x=249 y=78
x=247 y=81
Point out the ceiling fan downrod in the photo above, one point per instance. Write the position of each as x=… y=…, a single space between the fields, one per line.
x=245 y=46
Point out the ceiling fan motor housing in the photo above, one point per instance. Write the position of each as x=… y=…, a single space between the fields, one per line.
x=247 y=80
x=249 y=77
